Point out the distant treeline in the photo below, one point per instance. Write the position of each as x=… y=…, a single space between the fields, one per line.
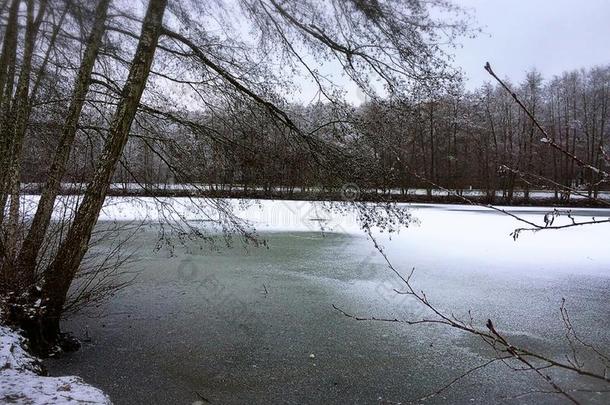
x=456 y=139
x=347 y=192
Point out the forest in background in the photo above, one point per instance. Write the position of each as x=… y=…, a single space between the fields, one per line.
x=453 y=139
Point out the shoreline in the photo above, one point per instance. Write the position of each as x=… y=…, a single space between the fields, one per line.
x=23 y=378
x=540 y=198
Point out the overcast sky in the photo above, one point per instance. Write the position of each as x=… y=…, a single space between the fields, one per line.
x=552 y=35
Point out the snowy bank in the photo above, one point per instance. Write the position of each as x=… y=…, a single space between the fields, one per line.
x=21 y=382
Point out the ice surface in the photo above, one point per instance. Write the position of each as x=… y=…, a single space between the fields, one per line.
x=477 y=231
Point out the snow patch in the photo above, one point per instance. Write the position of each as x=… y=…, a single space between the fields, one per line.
x=21 y=382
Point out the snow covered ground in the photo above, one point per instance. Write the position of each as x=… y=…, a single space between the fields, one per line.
x=287 y=214
x=21 y=382
x=457 y=227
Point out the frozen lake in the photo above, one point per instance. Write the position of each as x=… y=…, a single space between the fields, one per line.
x=239 y=326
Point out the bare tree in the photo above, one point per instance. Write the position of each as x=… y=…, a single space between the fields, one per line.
x=70 y=254
x=28 y=254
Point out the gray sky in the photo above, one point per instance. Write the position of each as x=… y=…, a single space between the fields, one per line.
x=551 y=35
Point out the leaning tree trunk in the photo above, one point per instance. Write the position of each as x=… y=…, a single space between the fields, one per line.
x=8 y=44
x=7 y=75
x=19 y=116
x=59 y=275
x=26 y=261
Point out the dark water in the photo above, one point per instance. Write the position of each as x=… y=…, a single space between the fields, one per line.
x=239 y=326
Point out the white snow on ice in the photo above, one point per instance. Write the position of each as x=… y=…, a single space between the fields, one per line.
x=463 y=233
x=21 y=382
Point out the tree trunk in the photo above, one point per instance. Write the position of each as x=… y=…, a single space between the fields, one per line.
x=62 y=270
x=26 y=260
x=9 y=45
x=7 y=75
x=19 y=113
